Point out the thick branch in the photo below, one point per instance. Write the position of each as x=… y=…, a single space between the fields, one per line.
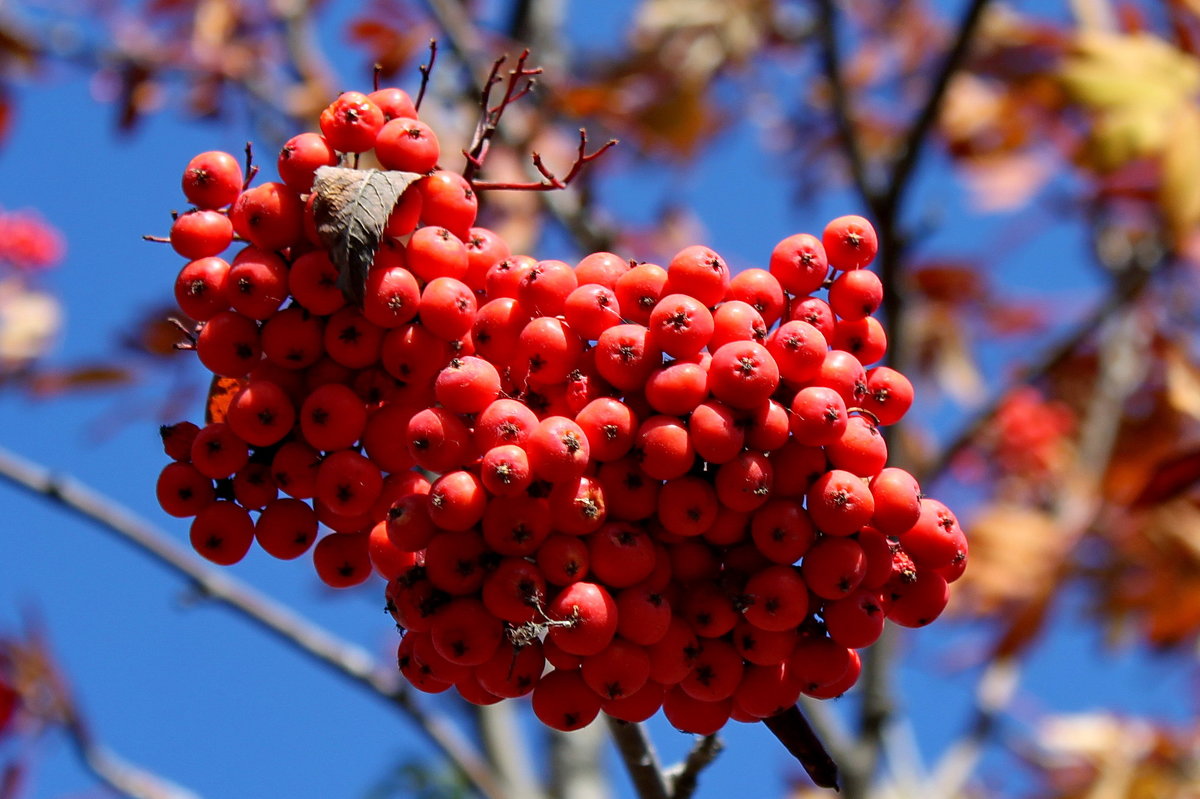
x=345 y=658
x=637 y=752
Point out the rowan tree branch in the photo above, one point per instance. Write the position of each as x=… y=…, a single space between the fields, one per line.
x=839 y=95
x=909 y=155
x=343 y=657
x=641 y=761
x=684 y=778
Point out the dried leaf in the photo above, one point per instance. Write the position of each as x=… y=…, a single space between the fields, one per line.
x=1179 y=192
x=1171 y=478
x=1008 y=539
x=221 y=392
x=46 y=383
x=352 y=208
x=1183 y=383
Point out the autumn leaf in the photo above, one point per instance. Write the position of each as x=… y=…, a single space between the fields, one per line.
x=1109 y=71
x=1179 y=191
x=1171 y=478
x=221 y=392
x=1137 y=86
x=352 y=207
x=45 y=383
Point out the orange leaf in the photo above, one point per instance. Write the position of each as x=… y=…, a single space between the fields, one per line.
x=221 y=392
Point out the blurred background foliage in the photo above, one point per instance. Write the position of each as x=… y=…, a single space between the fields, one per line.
x=1059 y=402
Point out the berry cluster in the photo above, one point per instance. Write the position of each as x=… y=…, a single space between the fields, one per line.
x=27 y=243
x=616 y=486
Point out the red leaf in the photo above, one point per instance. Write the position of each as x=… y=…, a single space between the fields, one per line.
x=1169 y=479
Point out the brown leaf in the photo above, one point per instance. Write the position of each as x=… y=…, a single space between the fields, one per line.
x=1171 y=478
x=221 y=392
x=352 y=208
x=45 y=383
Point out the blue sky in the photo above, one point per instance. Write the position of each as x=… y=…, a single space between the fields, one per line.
x=198 y=695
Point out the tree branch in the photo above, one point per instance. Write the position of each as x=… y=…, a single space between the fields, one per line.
x=684 y=778
x=831 y=65
x=550 y=181
x=1122 y=295
x=343 y=657
x=910 y=152
x=641 y=761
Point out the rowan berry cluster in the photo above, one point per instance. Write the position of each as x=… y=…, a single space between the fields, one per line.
x=612 y=485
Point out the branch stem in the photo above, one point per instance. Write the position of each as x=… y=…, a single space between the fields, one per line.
x=285 y=624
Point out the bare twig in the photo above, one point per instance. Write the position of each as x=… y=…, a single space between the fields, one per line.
x=251 y=167
x=344 y=658
x=914 y=142
x=831 y=65
x=571 y=210
x=641 y=761
x=550 y=181
x=684 y=777
x=159 y=239
x=506 y=750
x=48 y=698
x=426 y=70
x=520 y=82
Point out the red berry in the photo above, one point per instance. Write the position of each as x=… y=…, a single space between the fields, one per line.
x=351 y=122
x=850 y=242
x=212 y=180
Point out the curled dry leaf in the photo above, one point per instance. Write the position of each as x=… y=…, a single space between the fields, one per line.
x=352 y=208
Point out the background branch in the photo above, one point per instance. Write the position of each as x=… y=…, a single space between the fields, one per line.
x=344 y=658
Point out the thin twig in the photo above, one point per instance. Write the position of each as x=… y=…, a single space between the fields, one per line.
x=346 y=659
x=641 y=761
x=831 y=65
x=550 y=181
x=571 y=210
x=520 y=82
x=251 y=167
x=684 y=778
x=914 y=142
x=426 y=70
x=48 y=697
